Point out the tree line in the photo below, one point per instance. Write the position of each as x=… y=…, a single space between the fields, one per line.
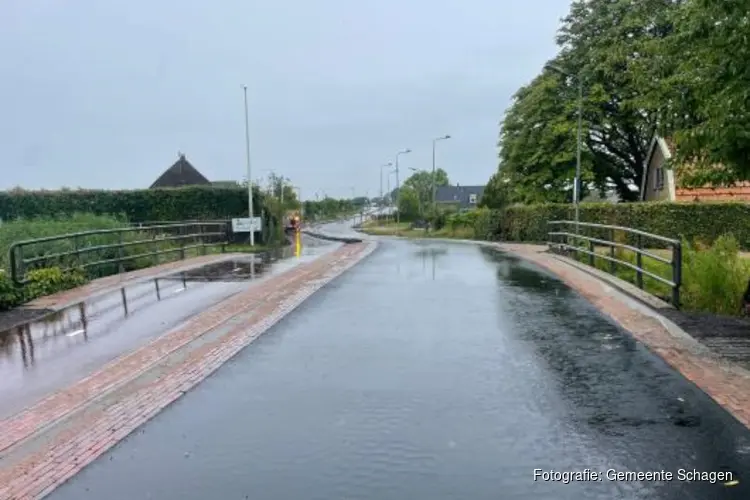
x=677 y=68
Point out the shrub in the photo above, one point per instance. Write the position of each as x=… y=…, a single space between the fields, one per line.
x=175 y=204
x=10 y=295
x=41 y=282
x=692 y=221
x=41 y=227
x=715 y=276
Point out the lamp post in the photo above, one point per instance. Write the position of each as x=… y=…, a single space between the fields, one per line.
x=434 y=184
x=249 y=172
x=398 y=189
x=577 y=184
x=388 y=165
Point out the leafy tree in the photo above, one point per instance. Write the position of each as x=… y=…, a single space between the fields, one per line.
x=497 y=192
x=538 y=143
x=421 y=182
x=604 y=46
x=604 y=43
x=705 y=94
x=408 y=203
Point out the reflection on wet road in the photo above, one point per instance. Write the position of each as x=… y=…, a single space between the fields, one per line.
x=430 y=371
x=38 y=358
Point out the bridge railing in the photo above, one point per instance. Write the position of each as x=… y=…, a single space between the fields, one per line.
x=107 y=251
x=567 y=237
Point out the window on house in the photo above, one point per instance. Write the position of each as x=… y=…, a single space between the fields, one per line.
x=659 y=179
x=472 y=198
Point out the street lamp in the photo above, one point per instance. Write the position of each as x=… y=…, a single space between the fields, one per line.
x=249 y=172
x=398 y=196
x=389 y=164
x=434 y=188
x=577 y=184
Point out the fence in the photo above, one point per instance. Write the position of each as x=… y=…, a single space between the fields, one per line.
x=636 y=241
x=136 y=246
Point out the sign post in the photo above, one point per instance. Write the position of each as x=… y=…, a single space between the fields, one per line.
x=246 y=225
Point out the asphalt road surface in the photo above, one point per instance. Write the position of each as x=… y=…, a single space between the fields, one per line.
x=431 y=371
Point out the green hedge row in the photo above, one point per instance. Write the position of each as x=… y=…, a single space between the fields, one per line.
x=692 y=221
x=195 y=202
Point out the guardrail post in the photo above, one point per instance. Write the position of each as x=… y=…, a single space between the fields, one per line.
x=77 y=249
x=184 y=281
x=639 y=262
x=156 y=285
x=124 y=300
x=82 y=312
x=202 y=239
x=676 y=273
x=155 y=249
x=592 y=250
x=21 y=264
x=612 y=267
x=182 y=243
x=121 y=254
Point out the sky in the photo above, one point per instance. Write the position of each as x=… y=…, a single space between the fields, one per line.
x=104 y=94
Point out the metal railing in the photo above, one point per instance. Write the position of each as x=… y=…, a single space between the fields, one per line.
x=571 y=242
x=72 y=251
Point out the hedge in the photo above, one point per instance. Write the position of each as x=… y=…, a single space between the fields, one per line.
x=704 y=222
x=174 y=204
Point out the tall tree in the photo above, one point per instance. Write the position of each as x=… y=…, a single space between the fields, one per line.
x=538 y=143
x=604 y=43
x=607 y=47
x=705 y=95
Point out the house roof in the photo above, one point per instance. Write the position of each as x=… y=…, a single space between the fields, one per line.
x=737 y=192
x=182 y=173
x=457 y=194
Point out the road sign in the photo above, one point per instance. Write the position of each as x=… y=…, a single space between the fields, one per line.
x=246 y=224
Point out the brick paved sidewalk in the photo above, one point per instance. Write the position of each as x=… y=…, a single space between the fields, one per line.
x=727 y=384
x=51 y=441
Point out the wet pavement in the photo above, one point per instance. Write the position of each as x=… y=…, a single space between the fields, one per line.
x=46 y=355
x=440 y=371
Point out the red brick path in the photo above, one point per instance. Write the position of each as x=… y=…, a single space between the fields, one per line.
x=728 y=385
x=87 y=435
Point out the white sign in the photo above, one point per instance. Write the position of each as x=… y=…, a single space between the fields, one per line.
x=246 y=224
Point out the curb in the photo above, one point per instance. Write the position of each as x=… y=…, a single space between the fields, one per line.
x=340 y=239
x=36 y=475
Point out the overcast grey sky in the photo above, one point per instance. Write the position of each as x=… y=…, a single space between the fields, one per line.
x=104 y=93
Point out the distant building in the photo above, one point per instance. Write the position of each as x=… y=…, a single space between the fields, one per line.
x=661 y=183
x=182 y=173
x=461 y=197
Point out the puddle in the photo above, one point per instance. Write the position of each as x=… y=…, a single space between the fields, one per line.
x=57 y=331
x=233 y=270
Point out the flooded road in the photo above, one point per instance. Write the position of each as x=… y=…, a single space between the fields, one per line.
x=38 y=358
x=431 y=371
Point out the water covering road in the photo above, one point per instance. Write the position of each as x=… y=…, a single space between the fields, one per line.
x=430 y=371
x=38 y=358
